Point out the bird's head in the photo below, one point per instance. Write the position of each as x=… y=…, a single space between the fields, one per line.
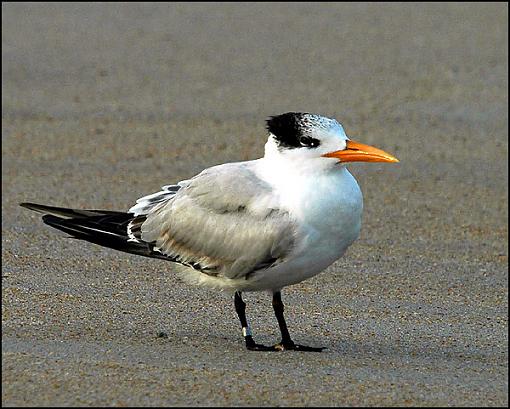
x=301 y=136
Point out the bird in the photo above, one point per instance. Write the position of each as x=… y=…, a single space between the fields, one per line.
x=257 y=225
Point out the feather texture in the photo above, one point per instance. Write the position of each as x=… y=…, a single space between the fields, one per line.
x=211 y=222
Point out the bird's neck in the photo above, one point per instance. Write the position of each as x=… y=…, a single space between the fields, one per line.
x=311 y=188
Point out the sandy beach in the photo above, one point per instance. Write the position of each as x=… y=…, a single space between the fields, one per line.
x=104 y=103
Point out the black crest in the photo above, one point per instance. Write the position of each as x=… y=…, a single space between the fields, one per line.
x=293 y=130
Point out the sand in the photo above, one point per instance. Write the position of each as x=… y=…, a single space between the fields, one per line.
x=105 y=103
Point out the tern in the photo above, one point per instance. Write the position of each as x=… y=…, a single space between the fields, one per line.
x=258 y=225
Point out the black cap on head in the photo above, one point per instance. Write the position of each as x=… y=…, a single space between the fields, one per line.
x=293 y=129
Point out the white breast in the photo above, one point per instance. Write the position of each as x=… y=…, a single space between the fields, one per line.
x=327 y=206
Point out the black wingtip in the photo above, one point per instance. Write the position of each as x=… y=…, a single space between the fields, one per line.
x=107 y=235
x=102 y=227
x=34 y=206
x=68 y=212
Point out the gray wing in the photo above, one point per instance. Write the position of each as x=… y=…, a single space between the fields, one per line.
x=221 y=222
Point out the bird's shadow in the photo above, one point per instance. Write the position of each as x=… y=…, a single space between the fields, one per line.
x=347 y=347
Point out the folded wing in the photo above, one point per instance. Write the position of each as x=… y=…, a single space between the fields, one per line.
x=221 y=222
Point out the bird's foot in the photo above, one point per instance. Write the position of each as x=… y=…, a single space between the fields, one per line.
x=251 y=345
x=281 y=346
x=259 y=347
x=291 y=346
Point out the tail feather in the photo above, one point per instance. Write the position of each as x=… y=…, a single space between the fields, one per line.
x=102 y=227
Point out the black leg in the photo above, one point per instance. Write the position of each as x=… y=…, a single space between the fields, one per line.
x=286 y=342
x=241 y=313
x=278 y=311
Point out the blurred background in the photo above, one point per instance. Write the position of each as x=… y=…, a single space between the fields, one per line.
x=103 y=103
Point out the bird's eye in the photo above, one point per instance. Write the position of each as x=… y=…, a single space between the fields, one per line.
x=309 y=142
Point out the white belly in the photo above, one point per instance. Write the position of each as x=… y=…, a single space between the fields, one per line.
x=328 y=211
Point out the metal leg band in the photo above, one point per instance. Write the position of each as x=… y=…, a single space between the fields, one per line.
x=247 y=331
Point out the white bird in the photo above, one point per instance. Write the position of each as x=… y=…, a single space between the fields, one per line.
x=246 y=226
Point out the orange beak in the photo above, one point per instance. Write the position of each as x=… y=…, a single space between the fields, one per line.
x=358 y=152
